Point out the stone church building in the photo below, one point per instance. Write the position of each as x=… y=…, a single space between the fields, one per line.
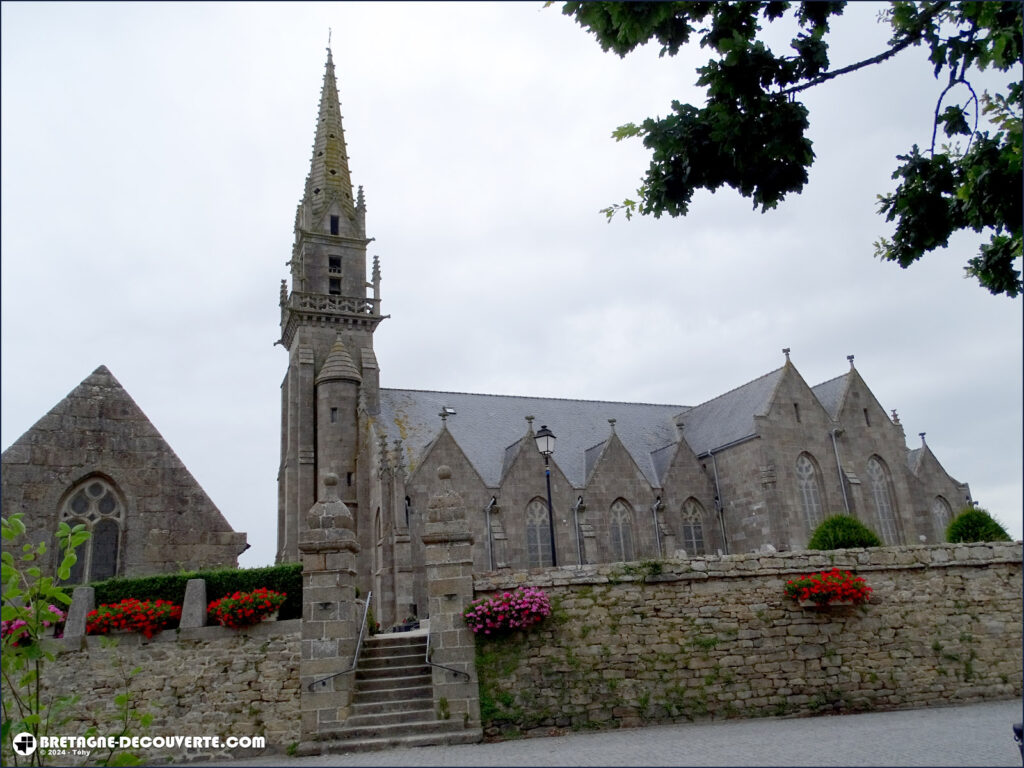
x=754 y=469
x=96 y=459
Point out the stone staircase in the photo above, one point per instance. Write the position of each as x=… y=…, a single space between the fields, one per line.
x=393 y=704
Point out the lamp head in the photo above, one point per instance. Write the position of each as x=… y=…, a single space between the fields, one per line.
x=545 y=441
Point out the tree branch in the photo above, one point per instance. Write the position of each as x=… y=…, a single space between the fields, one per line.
x=888 y=54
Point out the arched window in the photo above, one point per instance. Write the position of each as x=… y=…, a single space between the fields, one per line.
x=95 y=504
x=620 y=531
x=809 y=490
x=538 y=534
x=881 y=492
x=942 y=514
x=692 y=528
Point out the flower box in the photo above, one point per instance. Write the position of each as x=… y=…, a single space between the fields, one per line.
x=245 y=609
x=823 y=606
x=825 y=589
x=147 y=617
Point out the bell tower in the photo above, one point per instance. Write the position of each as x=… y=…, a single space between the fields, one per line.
x=327 y=325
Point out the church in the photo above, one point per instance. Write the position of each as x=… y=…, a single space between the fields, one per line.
x=558 y=482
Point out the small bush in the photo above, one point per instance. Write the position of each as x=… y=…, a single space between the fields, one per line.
x=975 y=524
x=843 y=532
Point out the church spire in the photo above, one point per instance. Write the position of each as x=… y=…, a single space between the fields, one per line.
x=329 y=180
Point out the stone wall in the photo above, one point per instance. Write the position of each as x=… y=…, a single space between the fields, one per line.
x=714 y=637
x=208 y=681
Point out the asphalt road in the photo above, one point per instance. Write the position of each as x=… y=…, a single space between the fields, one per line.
x=965 y=735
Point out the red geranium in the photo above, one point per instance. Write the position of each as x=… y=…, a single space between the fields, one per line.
x=243 y=609
x=133 y=615
x=827 y=587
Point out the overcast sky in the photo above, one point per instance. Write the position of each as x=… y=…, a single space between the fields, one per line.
x=153 y=156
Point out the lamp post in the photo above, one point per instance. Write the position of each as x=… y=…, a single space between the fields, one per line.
x=546 y=445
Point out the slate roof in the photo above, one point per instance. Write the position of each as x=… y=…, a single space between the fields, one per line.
x=914 y=459
x=487 y=426
x=728 y=417
x=830 y=394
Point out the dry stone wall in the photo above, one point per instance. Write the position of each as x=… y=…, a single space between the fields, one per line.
x=207 y=681
x=714 y=637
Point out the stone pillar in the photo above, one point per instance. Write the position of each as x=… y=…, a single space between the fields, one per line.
x=193 y=610
x=448 y=547
x=83 y=600
x=589 y=537
x=331 y=615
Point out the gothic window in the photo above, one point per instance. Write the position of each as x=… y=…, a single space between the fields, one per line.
x=95 y=504
x=334 y=286
x=692 y=528
x=942 y=514
x=334 y=225
x=809 y=490
x=881 y=493
x=538 y=534
x=334 y=265
x=620 y=531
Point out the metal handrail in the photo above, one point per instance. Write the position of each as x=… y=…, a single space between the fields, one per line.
x=359 y=647
x=426 y=658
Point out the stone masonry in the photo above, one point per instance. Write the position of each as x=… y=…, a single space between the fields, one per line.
x=715 y=637
x=205 y=681
x=449 y=565
x=330 y=620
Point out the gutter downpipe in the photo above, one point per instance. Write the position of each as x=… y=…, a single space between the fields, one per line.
x=720 y=506
x=719 y=503
x=839 y=468
x=657 y=528
x=576 y=523
x=487 y=512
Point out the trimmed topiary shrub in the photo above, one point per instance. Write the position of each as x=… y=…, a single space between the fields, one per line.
x=843 y=532
x=975 y=524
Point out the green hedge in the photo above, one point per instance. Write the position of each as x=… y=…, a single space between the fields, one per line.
x=975 y=525
x=842 y=532
x=171 y=586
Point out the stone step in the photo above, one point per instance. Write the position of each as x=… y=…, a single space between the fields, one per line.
x=386 y=683
x=374 y=707
x=334 y=746
x=424 y=713
x=394 y=659
x=432 y=728
x=386 y=659
x=378 y=648
x=384 y=673
x=422 y=691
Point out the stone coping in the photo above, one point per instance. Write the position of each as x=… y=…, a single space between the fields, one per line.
x=265 y=629
x=860 y=560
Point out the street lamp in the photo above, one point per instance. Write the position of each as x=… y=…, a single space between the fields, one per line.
x=546 y=445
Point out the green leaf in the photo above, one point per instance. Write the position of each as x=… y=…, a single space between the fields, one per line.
x=629 y=130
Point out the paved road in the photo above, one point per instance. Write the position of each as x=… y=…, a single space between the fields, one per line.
x=969 y=735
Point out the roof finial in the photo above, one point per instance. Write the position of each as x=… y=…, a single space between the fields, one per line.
x=921 y=435
x=612 y=422
x=895 y=417
x=785 y=351
x=529 y=424
x=850 y=358
x=328 y=38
